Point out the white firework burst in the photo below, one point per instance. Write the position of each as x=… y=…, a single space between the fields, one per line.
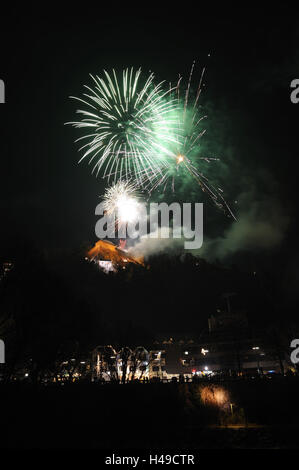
x=128 y=124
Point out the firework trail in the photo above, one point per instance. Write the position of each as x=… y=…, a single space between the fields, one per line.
x=179 y=154
x=127 y=123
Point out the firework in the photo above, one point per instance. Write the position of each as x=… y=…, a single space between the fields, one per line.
x=121 y=200
x=127 y=123
x=180 y=153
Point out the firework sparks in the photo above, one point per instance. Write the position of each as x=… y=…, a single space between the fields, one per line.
x=178 y=159
x=127 y=123
x=121 y=200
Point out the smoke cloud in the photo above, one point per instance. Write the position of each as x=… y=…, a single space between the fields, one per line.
x=153 y=246
x=261 y=227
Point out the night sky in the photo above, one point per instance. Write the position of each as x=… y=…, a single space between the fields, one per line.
x=252 y=124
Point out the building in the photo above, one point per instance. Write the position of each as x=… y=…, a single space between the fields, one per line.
x=111 y=258
x=229 y=347
x=157 y=364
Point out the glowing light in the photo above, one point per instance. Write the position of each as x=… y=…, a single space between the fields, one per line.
x=180 y=159
x=215 y=395
x=127 y=209
x=121 y=201
x=106 y=266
